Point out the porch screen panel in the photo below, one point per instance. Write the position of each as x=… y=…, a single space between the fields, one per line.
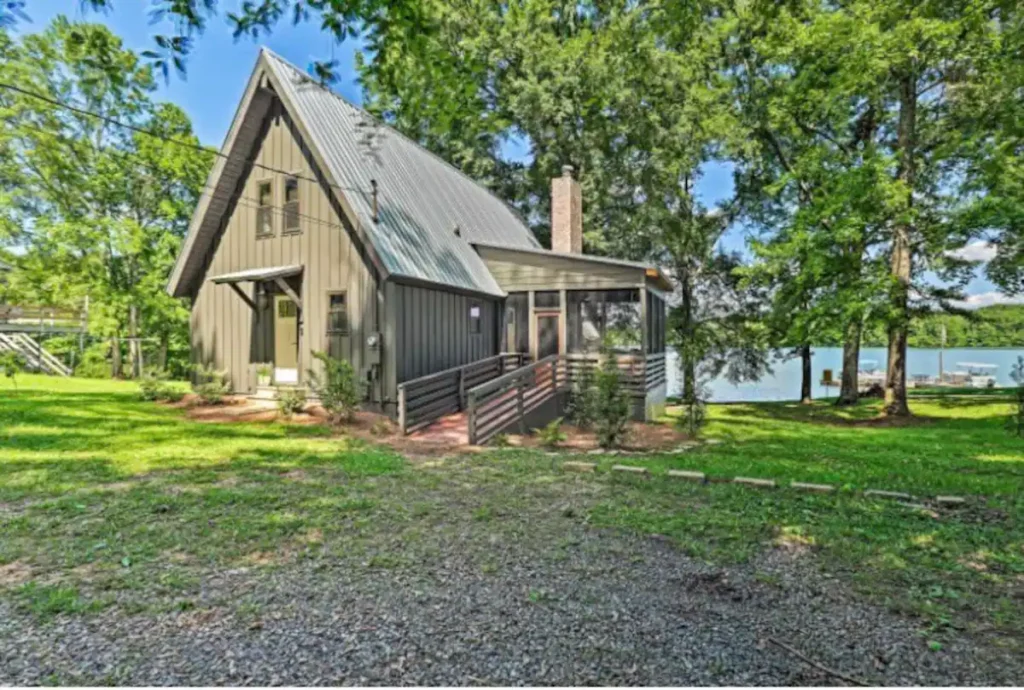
x=516 y=337
x=594 y=314
x=655 y=323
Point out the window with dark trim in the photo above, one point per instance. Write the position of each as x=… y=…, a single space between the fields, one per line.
x=265 y=212
x=337 y=324
x=291 y=205
x=474 y=318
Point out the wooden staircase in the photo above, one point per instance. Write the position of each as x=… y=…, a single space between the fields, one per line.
x=36 y=357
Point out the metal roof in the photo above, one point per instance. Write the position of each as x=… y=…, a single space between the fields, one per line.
x=421 y=198
x=258 y=274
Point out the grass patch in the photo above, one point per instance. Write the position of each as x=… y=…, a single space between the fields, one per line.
x=92 y=477
x=114 y=495
x=46 y=601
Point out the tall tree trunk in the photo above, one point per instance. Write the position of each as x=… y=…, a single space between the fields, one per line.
x=134 y=346
x=162 y=356
x=901 y=262
x=115 y=356
x=848 y=387
x=687 y=356
x=805 y=379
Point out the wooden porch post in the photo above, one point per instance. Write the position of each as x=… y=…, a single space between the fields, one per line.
x=530 y=328
x=645 y=336
x=563 y=321
x=401 y=410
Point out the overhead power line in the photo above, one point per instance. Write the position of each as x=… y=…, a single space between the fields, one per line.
x=170 y=140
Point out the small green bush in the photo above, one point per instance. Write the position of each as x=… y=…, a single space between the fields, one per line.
x=155 y=386
x=551 y=434
x=291 y=401
x=582 y=404
x=94 y=363
x=501 y=441
x=694 y=409
x=337 y=387
x=382 y=427
x=612 y=403
x=210 y=385
x=11 y=364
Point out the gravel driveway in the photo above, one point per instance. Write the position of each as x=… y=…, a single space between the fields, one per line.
x=597 y=607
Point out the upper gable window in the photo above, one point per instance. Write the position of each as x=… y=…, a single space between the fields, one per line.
x=265 y=212
x=291 y=205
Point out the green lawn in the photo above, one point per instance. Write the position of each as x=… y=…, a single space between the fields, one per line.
x=106 y=500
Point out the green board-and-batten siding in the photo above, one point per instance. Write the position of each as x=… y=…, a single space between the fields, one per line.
x=428 y=330
x=222 y=324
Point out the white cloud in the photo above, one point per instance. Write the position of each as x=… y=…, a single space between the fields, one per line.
x=979 y=250
x=987 y=299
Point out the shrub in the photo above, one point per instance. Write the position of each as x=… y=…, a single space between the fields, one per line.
x=155 y=386
x=94 y=363
x=551 y=434
x=612 y=406
x=210 y=385
x=694 y=405
x=11 y=364
x=337 y=387
x=291 y=400
x=501 y=441
x=582 y=405
x=382 y=427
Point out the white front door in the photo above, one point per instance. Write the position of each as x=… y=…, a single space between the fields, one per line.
x=286 y=340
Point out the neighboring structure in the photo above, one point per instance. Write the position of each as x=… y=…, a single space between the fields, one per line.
x=322 y=229
x=21 y=325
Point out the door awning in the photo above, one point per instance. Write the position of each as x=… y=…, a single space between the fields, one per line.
x=257 y=274
x=274 y=273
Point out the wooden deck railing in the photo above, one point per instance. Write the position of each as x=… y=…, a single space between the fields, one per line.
x=640 y=373
x=31 y=318
x=507 y=400
x=655 y=370
x=497 y=404
x=424 y=400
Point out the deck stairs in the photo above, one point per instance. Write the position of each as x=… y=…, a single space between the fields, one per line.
x=508 y=394
x=475 y=403
x=36 y=357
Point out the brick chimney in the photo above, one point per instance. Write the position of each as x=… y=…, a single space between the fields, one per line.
x=566 y=214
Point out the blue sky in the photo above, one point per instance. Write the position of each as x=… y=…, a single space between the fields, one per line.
x=219 y=67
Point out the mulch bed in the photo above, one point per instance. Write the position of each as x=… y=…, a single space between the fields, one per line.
x=378 y=428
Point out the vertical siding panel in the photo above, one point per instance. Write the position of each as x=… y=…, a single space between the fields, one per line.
x=407 y=337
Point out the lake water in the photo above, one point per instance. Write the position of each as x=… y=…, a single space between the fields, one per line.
x=784 y=382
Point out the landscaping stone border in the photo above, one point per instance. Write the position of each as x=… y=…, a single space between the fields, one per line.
x=898 y=497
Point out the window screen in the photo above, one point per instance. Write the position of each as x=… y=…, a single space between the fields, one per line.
x=291 y=205
x=265 y=212
x=517 y=331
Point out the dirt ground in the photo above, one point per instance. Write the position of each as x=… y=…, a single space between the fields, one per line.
x=378 y=428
